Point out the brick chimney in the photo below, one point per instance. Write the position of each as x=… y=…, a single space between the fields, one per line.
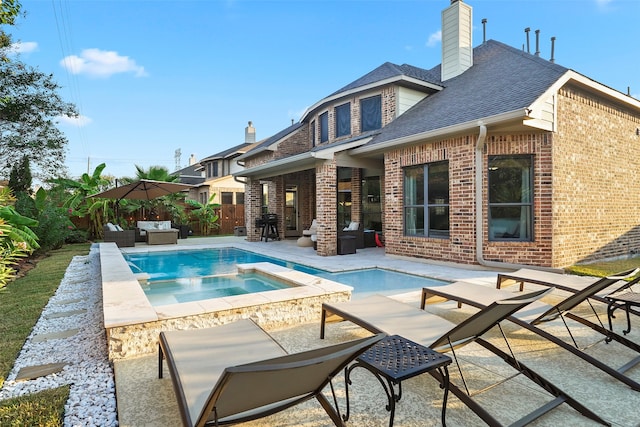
x=250 y=134
x=457 y=45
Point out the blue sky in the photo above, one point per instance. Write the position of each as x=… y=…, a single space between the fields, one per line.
x=150 y=77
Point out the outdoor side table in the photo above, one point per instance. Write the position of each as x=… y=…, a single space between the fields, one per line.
x=627 y=299
x=396 y=359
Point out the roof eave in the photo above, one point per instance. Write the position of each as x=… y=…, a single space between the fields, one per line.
x=522 y=113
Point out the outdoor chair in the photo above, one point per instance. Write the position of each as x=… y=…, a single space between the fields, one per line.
x=565 y=282
x=122 y=238
x=237 y=372
x=383 y=314
x=538 y=313
x=356 y=230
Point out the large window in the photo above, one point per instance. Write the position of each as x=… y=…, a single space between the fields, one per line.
x=324 y=127
x=426 y=200
x=511 y=198
x=370 y=113
x=343 y=120
x=313 y=133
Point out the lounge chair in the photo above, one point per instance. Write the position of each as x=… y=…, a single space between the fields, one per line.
x=538 y=313
x=566 y=282
x=236 y=372
x=383 y=314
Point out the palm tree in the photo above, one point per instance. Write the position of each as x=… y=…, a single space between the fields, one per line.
x=99 y=211
x=170 y=204
x=156 y=173
x=16 y=237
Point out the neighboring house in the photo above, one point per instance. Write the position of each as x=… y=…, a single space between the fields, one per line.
x=218 y=170
x=495 y=157
x=192 y=175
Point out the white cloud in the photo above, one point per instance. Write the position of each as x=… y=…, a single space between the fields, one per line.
x=101 y=63
x=23 y=47
x=79 y=121
x=434 y=38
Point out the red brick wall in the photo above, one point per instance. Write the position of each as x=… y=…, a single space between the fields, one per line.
x=326 y=202
x=596 y=170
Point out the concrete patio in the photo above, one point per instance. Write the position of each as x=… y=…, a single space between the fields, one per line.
x=145 y=400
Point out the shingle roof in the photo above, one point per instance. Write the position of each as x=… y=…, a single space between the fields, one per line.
x=225 y=153
x=267 y=142
x=502 y=79
x=389 y=70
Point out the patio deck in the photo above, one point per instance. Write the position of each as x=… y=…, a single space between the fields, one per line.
x=143 y=399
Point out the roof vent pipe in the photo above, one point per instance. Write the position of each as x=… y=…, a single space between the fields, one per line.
x=484 y=30
x=537 y=42
x=553 y=48
x=526 y=30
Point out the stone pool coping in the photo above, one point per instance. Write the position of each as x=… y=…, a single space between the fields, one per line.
x=133 y=324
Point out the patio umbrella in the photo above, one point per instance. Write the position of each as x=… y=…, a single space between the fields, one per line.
x=144 y=189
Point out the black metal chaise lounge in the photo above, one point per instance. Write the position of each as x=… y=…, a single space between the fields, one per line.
x=383 y=314
x=538 y=313
x=236 y=372
x=573 y=283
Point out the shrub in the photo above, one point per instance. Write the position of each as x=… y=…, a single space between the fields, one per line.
x=77 y=236
x=53 y=228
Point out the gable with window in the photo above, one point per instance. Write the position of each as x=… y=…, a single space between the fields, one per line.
x=426 y=200
x=370 y=113
x=511 y=198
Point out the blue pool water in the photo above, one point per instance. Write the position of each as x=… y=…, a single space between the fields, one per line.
x=186 y=275
x=199 y=288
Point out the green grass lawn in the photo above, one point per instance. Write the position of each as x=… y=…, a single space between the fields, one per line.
x=605 y=268
x=21 y=303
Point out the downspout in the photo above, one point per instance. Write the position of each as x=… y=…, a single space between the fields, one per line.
x=482 y=134
x=237 y=179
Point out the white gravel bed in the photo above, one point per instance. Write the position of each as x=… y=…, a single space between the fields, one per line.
x=92 y=399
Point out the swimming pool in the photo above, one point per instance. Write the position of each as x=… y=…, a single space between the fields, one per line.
x=200 y=288
x=177 y=271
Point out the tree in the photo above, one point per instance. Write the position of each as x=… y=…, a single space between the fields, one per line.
x=20 y=177
x=99 y=211
x=170 y=204
x=156 y=173
x=29 y=104
x=17 y=240
x=206 y=214
x=9 y=11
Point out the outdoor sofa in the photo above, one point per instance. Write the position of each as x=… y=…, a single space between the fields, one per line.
x=158 y=232
x=122 y=238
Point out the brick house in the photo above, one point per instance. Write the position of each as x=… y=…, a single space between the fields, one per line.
x=496 y=157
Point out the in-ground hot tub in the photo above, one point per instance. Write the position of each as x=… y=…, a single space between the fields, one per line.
x=133 y=324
